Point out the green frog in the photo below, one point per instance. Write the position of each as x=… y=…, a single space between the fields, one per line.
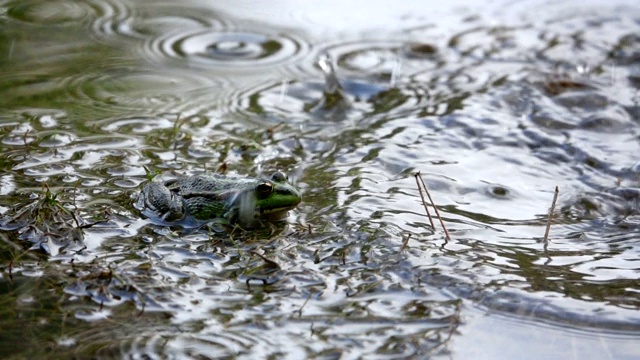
x=194 y=200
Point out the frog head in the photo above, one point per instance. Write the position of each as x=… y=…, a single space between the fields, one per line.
x=264 y=199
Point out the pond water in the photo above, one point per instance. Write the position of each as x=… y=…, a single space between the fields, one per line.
x=494 y=103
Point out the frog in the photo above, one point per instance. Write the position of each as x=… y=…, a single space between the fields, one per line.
x=194 y=200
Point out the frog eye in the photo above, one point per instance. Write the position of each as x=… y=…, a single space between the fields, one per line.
x=264 y=188
x=278 y=177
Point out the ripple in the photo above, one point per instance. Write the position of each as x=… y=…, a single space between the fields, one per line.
x=107 y=17
x=160 y=18
x=112 y=18
x=386 y=60
x=123 y=90
x=139 y=90
x=306 y=100
x=131 y=341
x=54 y=12
x=54 y=160
x=358 y=283
x=136 y=125
x=216 y=48
x=54 y=139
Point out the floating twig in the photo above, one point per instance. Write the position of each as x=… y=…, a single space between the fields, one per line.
x=550 y=218
x=446 y=232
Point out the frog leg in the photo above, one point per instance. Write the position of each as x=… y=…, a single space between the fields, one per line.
x=160 y=199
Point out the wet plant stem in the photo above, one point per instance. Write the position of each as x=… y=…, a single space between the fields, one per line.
x=299 y=311
x=453 y=325
x=424 y=202
x=405 y=243
x=550 y=218
x=424 y=186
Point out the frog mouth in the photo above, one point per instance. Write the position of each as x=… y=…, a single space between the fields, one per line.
x=274 y=213
x=277 y=206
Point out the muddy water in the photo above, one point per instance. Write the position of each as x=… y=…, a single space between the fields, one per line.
x=495 y=105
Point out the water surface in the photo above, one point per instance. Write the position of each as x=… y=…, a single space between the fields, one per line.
x=495 y=104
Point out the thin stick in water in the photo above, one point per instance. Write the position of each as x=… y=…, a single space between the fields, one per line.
x=405 y=242
x=446 y=233
x=424 y=202
x=304 y=304
x=550 y=218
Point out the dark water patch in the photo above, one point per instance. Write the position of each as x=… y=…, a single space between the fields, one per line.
x=612 y=120
x=498 y=191
x=106 y=18
x=59 y=12
x=610 y=205
x=586 y=101
x=627 y=51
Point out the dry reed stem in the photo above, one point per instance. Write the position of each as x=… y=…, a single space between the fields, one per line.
x=424 y=202
x=446 y=232
x=405 y=243
x=304 y=304
x=550 y=218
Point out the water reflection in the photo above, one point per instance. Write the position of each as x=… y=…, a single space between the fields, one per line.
x=203 y=39
x=494 y=113
x=50 y=13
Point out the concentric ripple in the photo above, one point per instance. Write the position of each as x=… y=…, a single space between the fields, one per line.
x=113 y=18
x=375 y=77
x=138 y=91
x=54 y=12
x=214 y=48
x=385 y=59
x=300 y=101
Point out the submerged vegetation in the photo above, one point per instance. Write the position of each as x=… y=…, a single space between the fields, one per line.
x=48 y=224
